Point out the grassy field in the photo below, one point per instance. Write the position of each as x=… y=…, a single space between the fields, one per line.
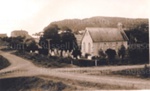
x=3 y=62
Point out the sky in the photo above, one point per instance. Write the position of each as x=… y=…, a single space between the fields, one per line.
x=34 y=15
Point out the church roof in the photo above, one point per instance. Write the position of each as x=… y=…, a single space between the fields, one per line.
x=106 y=34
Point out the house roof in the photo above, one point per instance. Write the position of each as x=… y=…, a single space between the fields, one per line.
x=16 y=33
x=3 y=35
x=106 y=34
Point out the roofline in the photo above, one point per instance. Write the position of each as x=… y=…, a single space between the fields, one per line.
x=124 y=34
x=106 y=41
x=85 y=33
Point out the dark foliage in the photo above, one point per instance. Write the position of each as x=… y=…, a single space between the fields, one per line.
x=29 y=83
x=122 y=52
x=30 y=45
x=76 y=53
x=101 y=53
x=138 y=49
x=63 y=41
x=3 y=62
x=111 y=55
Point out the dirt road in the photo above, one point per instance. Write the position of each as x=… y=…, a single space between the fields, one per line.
x=21 y=67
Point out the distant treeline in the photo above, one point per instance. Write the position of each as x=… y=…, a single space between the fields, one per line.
x=80 y=24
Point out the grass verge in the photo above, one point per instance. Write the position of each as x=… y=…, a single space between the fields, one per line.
x=45 y=61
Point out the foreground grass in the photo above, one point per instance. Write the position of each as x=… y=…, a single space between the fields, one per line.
x=30 y=84
x=43 y=83
x=3 y=62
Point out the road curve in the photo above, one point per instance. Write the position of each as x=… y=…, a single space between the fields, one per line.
x=22 y=67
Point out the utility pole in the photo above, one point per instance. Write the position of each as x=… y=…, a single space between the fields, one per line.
x=48 y=45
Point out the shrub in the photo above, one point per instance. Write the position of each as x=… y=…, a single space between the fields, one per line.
x=86 y=55
x=3 y=62
x=146 y=72
x=111 y=55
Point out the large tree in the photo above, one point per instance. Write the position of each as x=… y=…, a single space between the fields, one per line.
x=50 y=32
x=138 y=50
x=68 y=39
x=63 y=41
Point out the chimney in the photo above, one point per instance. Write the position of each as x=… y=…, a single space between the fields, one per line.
x=120 y=26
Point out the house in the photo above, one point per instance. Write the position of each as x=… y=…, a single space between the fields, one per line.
x=21 y=33
x=95 y=39
x=3 y=35
x=78 y=38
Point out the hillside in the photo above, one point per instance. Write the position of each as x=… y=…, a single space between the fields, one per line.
x=80 y=24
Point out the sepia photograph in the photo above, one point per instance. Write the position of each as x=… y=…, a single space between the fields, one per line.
x=74 y=45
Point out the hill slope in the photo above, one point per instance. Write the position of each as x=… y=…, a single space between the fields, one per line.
x=80 y=24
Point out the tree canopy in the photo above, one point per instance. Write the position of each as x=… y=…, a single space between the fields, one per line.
x=61 y=41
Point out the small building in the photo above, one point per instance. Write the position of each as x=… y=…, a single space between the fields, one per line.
x=95 y=39
x=21 y=33
x=3 y=35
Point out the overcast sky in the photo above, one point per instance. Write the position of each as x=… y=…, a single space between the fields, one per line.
x=34 y=15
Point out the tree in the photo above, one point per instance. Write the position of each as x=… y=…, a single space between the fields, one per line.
x=76 y=53
x=31 y=45
x=15 y=43
x=101 y=53
x=122 y=51
x=138 y=50
x=68 y=39
x=111 y=55
x=50 y=32
x=63 y=41
x=65 y=28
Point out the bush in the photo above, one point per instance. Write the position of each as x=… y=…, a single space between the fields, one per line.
x=86 y=55
x=3 y=62
x=30 y=84
x=138 y=55
x=44 y=61
x=102 y=61
x=146 y=72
